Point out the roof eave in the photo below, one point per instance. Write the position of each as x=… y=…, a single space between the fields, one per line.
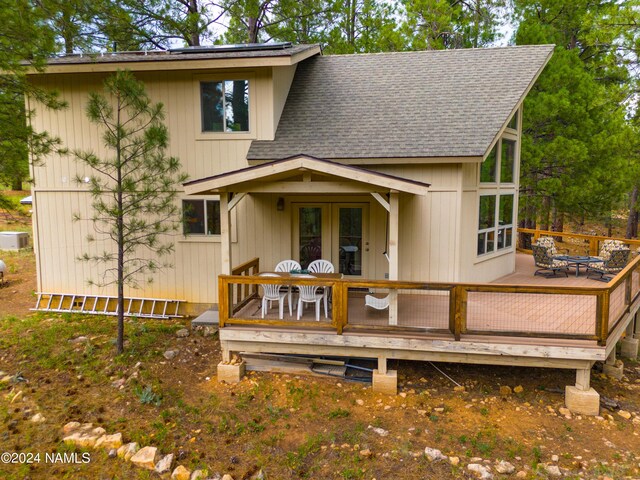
x=180 y=62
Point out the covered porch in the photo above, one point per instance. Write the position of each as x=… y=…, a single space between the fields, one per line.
x=328 y=216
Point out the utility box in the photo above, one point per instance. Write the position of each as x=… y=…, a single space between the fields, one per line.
x=13 y=240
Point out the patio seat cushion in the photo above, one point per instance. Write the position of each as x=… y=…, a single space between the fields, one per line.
x=549 y=243
x=608 y=246
x=544 y=259
x=618 y=259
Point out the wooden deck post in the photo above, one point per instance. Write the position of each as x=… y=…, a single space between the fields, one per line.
x=394 y=212
x=602 y=318
x=223 y=302
x=225 y=234
x=613 y=367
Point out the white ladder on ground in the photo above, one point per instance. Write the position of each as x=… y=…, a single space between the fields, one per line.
x=107 y=305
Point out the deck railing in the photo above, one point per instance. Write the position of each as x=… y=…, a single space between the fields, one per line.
x=457 y=310
x=593 y=241
x=246 y=292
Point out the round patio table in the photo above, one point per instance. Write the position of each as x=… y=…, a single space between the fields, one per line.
x=578 y=261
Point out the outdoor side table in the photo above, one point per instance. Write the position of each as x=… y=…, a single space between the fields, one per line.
x=578 y=261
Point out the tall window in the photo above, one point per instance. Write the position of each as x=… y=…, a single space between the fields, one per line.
x=488 y=169
x=201 y=217
x=497 y=197
x=225 y=106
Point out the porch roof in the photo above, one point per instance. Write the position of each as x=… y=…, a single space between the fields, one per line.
x=283 y=176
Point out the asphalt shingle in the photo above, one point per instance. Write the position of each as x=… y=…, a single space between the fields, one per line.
x=448 y=103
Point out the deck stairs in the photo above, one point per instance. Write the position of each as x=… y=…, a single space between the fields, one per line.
x=106 y=305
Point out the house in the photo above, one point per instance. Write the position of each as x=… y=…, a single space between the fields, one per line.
x=400 y=168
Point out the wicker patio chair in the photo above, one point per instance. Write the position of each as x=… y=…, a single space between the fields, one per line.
x=548 y=266
x=607 y=269
x=608 y=246
x=550 y=244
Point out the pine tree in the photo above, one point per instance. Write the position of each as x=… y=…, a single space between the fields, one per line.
x=134 y=189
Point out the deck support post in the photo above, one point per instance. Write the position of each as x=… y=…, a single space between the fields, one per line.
x=227 y=372
x=394 y=212
x=385 y=382
x=612 y=367
x=630 y=345
x=225 y=234
x=581 y=398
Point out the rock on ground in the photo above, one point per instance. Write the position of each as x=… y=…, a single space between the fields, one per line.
x=181 y=473
x=505 y=467
x=182 y=333
x=434 y=454
x=164 y=464
x=380 y=431
x=170 y=354
x=553 y=470
x=145 y=457
x=110 y=441
x=480 y=471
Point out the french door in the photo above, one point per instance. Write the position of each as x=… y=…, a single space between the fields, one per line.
x=337 y=232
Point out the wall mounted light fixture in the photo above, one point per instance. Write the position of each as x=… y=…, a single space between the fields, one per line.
x=280 y=204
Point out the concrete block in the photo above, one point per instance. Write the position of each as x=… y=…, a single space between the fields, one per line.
x=231 y=373
x=629 y=348
x=385 y=383
x=616 y=370
x=582 y=402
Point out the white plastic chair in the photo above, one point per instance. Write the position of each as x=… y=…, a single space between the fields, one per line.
x=322 y=266
x=288 y=266
x=377 y=303
x=274 y=292
x=309 y=294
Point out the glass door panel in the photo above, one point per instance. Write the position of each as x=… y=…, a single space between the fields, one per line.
x=309 y=234
x=350 y=240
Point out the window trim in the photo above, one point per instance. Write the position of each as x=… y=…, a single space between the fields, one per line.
x=203 y=199
x=250 y=77
x=497 y=193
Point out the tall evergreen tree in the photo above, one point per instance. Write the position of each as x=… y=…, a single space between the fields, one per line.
x=573 y=148
x=25 y=37
x=133 y=189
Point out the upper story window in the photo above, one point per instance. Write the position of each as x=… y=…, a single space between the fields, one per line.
x=225 y=105
x=499 y=168
x=201 y=217
x=513 y=123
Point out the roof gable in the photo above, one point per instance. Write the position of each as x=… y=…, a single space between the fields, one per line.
x=280 y=170
x=449 y=103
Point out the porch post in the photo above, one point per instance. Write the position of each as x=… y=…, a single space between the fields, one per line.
x=225 y=234
x=394 y=211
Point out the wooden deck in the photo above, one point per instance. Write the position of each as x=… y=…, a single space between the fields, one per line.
x=491 y=311
x=521 y=319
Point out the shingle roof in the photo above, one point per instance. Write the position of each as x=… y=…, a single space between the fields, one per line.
x=179 y=54
x=448 y=103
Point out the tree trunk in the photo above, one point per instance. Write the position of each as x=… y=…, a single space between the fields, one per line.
x=632 y=220
x=120 y=234
x=16 y=183
x=544 y=215
x=194 y=36
x=558 y=223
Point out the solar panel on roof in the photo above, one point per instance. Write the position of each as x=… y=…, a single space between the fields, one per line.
x=237 y=47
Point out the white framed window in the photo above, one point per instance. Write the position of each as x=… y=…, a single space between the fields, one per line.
x=200 y=217
x=224 y=106
x=495 y=222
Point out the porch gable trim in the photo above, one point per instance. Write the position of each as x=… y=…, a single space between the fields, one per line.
x=232 y=181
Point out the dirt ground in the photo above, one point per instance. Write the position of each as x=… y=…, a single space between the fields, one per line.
x=287 y=426
x=17 y=293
